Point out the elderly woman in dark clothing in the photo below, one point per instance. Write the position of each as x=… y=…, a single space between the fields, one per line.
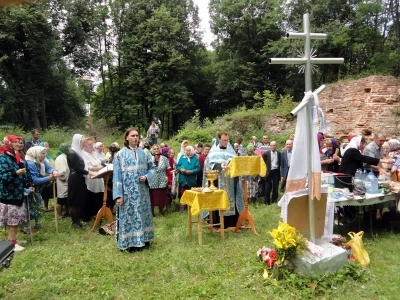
x=76 y=181
x=353 y=159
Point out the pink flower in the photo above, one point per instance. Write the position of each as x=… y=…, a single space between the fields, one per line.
x=262 y=251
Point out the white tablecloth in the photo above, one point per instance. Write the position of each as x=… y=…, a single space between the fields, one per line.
x=370 y=199
x=331 y=203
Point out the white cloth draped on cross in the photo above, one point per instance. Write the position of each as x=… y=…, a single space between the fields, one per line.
x=297 y=176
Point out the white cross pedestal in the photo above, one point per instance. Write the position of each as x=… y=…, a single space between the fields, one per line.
x=310 y=264
x=332 y=259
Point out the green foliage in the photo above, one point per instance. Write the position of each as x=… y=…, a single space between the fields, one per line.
x=241 y=121
x=318 y=285
x=282 y=104
x=197 y=131
x=245 y=32
x=151 y=63
x=162 y=70
x=56 y=135
x=66 y=266
x=35 y=84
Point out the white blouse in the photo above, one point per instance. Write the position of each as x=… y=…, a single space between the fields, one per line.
x=93 y=185
x=61 y=166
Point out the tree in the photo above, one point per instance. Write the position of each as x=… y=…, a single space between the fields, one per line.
x=158 y=55
x=35 y=80
x=245 y=31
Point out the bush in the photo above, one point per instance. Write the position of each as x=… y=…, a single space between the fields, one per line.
x=197 y=131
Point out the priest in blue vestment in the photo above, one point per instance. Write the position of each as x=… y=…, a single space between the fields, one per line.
x=133 y=172
x=217 y=159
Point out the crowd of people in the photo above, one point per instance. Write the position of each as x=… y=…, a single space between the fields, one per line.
x=30 y=177
x=148 y=175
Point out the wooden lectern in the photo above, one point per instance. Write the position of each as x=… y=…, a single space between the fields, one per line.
x=104 y=211
x=246 y=166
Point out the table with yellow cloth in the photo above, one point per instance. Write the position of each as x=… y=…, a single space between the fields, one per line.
x=246 y=166
x=200 y=201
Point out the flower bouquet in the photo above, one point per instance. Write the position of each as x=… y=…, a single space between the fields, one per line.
x=288 y=244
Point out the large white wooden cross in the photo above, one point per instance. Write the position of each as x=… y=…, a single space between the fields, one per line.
x=308 y=101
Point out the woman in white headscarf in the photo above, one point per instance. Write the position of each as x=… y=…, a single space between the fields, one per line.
x=99 y=151
x=95 y=187
x=39 y=168
x=76 y=181
x=184 y=144
x=352 y=158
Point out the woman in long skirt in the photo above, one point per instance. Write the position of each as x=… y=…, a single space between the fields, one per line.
x=158 y=188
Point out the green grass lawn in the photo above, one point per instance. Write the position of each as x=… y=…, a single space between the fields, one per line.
x=79 y=264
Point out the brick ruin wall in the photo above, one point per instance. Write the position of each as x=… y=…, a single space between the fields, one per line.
x=371 y=103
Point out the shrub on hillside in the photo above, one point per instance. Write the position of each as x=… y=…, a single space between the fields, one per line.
x=197 y=131
x=11 y=129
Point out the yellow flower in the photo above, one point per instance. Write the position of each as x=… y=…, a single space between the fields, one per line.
x=278 y=244
x=274 y=233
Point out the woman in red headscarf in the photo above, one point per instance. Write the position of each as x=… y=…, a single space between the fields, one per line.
x=13 y=182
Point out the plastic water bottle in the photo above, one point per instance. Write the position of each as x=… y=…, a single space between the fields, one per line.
x=374 y=184
x=358 y=175
x=371 y=183
x=331 y=180
x=358 y=179
x=364 y=175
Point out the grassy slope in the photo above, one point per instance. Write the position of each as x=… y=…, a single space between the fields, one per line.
x=84 y=265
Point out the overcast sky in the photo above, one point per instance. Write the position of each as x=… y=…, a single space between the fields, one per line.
x=205 y=21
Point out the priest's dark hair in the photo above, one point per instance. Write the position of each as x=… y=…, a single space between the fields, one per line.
x=128 y=131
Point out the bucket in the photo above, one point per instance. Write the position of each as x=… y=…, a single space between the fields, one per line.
x=344 y=181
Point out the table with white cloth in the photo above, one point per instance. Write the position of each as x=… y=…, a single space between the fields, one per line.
x=367 y=200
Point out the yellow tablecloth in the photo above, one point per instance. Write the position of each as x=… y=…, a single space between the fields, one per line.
x=198 y=201
x=246 y=165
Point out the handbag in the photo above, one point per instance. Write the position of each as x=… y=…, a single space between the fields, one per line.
x=108 y=229
x=173 y=185
x=357 y=248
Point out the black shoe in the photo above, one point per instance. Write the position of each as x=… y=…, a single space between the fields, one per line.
x=146 y=245
x=135 y=249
